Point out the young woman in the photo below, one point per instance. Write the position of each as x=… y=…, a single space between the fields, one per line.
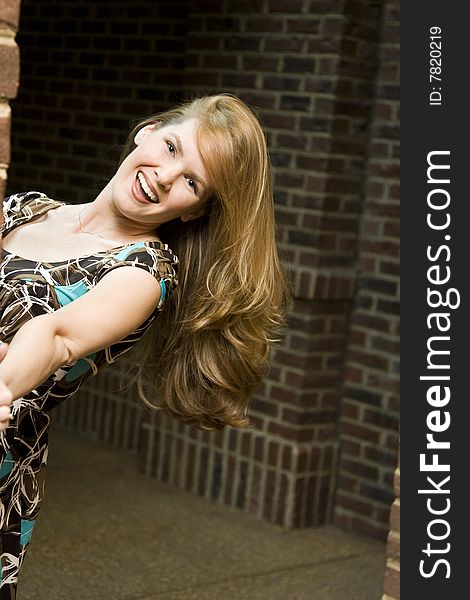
x=186 y=225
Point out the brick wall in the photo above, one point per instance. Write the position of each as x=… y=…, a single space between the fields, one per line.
x=386 y=172
x=9 y=63
x=311 y=74
x=370 y=404
x=88 y=69
x=311 y=71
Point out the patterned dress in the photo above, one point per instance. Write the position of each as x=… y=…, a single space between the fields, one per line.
x=27 y=289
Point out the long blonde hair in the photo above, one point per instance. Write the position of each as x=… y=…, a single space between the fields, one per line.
x=209 y=347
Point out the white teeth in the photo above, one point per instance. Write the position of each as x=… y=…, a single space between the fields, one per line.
x=146 y=188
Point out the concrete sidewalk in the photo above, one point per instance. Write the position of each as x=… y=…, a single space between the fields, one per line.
x=108 y=533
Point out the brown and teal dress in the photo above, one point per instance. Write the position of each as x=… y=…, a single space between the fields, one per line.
x=30 y=288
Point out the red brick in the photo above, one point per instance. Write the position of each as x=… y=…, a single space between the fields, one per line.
x=354 y=504
x=220 y=61
x=359 y=431
x=9 y=59
x=264 y=23
x=286 y=6
x=2 y=194
x=350 y=410
x=303 y=25
x=332 y=25
x=206 y=42
x=10 y=13
x=395 y=518
x=284 y=44
x=5 y=120
x=245 y=6
x=392 y=582
x=393 y=548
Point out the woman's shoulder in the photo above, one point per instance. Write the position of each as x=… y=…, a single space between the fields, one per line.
x=154 y=256
x=21 y=200
x=19 y=208
x=155 y=250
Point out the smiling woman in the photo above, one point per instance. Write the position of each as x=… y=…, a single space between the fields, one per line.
x=166 y=170
x=184 y=231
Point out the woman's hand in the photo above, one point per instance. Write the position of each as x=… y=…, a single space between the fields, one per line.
x=6 y=397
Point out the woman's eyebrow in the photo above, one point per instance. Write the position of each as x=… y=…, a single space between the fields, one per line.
x=179 y=147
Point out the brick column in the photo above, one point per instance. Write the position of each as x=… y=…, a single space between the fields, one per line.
x=392 y=571
x=368 y=426
x=308 y=69
x=9 y=64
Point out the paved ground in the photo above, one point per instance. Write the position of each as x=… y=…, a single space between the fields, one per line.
x=108 y=533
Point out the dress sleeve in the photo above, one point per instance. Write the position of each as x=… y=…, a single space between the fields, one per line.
x=159 y=262
x=11 y=207
x=22 y=207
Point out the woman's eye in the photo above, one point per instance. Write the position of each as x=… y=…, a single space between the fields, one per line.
x=171 y=148
x=192 y=184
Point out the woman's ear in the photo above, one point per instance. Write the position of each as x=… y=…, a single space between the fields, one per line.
x=142 y=133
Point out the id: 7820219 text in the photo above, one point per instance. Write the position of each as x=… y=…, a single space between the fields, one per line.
x=435 y=66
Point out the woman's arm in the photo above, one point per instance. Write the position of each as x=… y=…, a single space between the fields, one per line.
x=118 y=305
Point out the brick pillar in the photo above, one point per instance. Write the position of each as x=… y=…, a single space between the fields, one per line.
x=9 y=64
x=392 y=571
x=308 y=69
x=370 y=392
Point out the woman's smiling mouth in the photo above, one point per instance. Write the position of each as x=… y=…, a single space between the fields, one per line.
x=146 y=189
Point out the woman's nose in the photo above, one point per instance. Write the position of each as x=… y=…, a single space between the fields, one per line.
x=162 y=181
x=165 y=177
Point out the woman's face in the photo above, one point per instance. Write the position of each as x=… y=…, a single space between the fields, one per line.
x=163 y=178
